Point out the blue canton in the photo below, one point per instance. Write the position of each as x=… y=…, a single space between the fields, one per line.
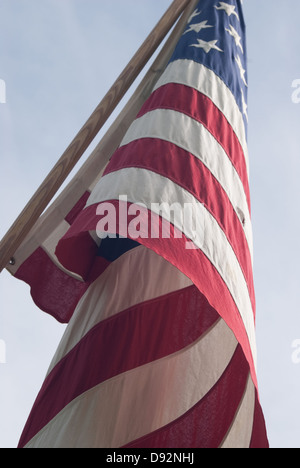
x=215 y=38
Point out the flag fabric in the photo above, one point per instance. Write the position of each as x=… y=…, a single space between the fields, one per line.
x=152 y=269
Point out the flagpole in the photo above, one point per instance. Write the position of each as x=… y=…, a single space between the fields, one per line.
x=40 y=200
x=84 y=179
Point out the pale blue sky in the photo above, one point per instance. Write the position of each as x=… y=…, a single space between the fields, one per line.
x=58 y=58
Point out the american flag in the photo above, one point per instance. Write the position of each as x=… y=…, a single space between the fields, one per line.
x=160 y=348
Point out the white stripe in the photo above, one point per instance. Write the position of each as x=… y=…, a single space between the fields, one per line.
x=146 y=187
x=193 y=137
x=142 y=400
x=49 y=244
x=197 y=76
x=240 y=433
x=125 y=283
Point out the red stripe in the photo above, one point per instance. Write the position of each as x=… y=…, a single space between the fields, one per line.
x=259 y=434
x=189 y=172
x=77 y=208
x=193 y=263
x=191 y=102
x=135 y=337
x=52 y=290
x=208 y=422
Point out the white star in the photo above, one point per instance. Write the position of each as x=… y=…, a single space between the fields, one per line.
x=194 y=14
x=236 y=37
x=242 y=71
x=197 y=27
x=229 y=9
x=245 y=107
x=207 y=46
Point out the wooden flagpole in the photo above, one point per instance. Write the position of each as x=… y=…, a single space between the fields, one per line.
x=84 y=179
x=40 y=200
